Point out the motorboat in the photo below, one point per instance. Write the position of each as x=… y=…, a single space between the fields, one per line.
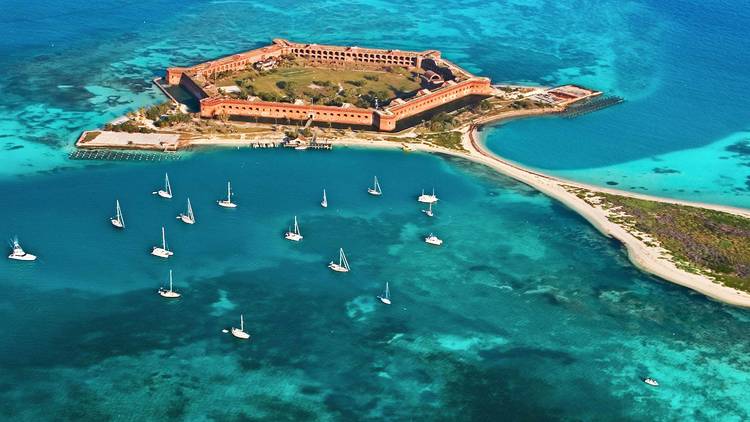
x=433 y=240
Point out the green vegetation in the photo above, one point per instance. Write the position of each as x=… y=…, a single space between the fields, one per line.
x=129 y=127
x=325 y=86
x=90 y=136
x=702 y=241
x=156 y=111
x=450 y=139
x=173 y=119
x=442 y=121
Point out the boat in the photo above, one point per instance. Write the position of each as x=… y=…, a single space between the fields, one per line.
x=169 y=294
x=162 y=251
x=375 y=189
x=189 y=217
x=324 y=202
x=343 y=265
x=650 y=381
x=386 y=297
x=428 y=199
x=167 y=191
x=300 y=147
x=433 y=240
x=227 y=203
x=428 y=212
x=118 y=220
x=240 y=332
x=294 y=235
x=19 y=254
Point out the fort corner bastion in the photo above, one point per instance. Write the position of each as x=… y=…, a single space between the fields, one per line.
x=441 y=83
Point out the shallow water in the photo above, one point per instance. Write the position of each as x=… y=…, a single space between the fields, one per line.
x=526 y=311
x=505 y=317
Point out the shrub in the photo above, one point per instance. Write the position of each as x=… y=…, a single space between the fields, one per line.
x=281 y=84
x=358 y=82
x=372 y=77
x=155 y=111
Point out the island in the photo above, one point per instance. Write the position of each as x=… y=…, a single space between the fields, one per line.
x=311 y=96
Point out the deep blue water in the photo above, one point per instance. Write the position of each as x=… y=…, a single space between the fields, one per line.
x=525 y=312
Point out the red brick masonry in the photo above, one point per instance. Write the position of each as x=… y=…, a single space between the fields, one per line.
x=192 y=78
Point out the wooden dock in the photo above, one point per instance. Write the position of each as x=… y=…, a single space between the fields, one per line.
x=113 y=155
x=590 y=105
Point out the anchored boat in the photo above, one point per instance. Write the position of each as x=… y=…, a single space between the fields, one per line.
x=227 y=203
x=167 y=191
x=324 y=202
x=189 y=216
x=240 y=332
x=428 y=199
x=18 y=253
x=118 y=220
x=375 y=189
x=386 y=297
x=343 y=265
x=162 y=251
x=433 y=240
x=294 y=235
x=428 y=211
x=169 y=294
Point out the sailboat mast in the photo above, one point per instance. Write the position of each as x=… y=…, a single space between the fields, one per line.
x=170 y=280
x=387 y=291
x=163 y=239
x=229 y=192
x=190 y=210
x=242 y=323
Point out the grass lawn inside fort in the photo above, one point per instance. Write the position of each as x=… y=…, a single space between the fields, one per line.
x=325 y=86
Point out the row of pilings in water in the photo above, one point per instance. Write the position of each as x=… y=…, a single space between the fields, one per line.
x=590 y=106
x=109 y=155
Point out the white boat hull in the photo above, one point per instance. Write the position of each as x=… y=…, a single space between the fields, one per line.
x=185 y=219
x=433 y=241
x=294 y=237
x=161 y=252
x=324 y=204
x=226 y=204
x=240 y=334
x=427 y=199
x=116 y=223
x=24 y=257
x=373 y=192
x=428 y=213
x=385 y=300
x=338 y=268
x=164 y=194
x=169 y=294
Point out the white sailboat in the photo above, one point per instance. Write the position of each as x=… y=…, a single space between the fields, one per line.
x=19 y=254
x=169 y=294
x=240 y=332
x=375 y=189
x=227 y=203
x=324 y=202
x=428 y=212
x=189 y=217
x=162 y=251
x=167 y=191
x=343 y=265
x=294 y=235
x=386 y=297
x=433 y=240
x=118 y=220
x=428 y=199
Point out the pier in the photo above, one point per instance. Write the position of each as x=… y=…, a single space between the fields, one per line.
x=590 y=106
x=113 y=155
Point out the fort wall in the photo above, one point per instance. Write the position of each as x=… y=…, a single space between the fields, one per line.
x=384 y=120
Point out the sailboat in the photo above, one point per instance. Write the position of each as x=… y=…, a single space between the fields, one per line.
x=170 y=294
x=324 y=202
x=428 y=199
x=294 y=235
x=19 y=254
x=386 y=297
x=167 y=191
x=227 y=203
x=118 y=220
x=375 y=189
x=343 y=265
x=162 y=251
x=428 y=211
x=189 y=217
x=433 y=240
x=240 y=332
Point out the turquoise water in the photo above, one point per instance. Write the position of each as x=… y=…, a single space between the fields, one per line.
x=506 y=318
